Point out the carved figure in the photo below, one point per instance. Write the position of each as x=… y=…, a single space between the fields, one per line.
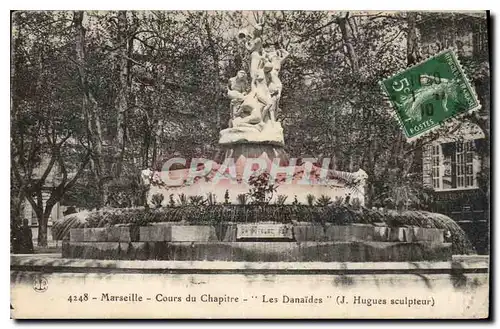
x=250 y=113
x=277 y=60
x=254 y=46
x=251 y=109
x=237 y=88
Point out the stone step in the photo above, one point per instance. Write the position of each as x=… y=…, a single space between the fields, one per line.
x=330 y=251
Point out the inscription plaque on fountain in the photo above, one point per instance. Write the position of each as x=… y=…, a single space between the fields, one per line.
x=264 y=231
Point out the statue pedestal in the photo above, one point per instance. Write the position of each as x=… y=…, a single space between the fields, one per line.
x=269 y=132
x=255 y=150
x=254 y=141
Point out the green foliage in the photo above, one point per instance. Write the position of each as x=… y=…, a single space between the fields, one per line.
x=84 y=195
x=356 y=203
x=126 y=192
x=157 y=199
x=401 y=192
x=197 y=200
x=310 y=199
x=281 y=199
x=211 y=199
x=323 y=201
x=338 y=201
x=183 y=199
x=261 y=188
x=242 y=199
x=171 y=201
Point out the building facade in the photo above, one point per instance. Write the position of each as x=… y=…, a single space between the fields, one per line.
x=454 y=166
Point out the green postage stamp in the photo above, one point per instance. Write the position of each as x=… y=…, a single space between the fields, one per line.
x=427 y=94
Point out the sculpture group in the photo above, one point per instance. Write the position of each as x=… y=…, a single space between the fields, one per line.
x=255 y=138
x=255 y=101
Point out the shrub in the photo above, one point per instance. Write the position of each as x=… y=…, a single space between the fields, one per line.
x=157 y=199
x=196 y=200
x=356 y=203
x=211 y=199
x=126 y=192
x=183 y=200
x=171 y=201
x=242 y=198
x=226 y=197
x=338 y=201
x=261 y=188
x=323 y=201
x=281 y=199
x=310 y=199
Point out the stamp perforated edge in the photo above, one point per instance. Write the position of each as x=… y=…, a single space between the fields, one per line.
x=456 y=116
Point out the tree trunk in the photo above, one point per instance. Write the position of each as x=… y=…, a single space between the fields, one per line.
x=157 y=141
x=123 y=42
x=146 y=141
x=42 y=231
x=412 y=56
x=412 y=50
x=17 y=206
x=348 y=42
x=43 y=219
x=90 y=111
x=215 y=58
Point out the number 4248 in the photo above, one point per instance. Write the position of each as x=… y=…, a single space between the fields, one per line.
x=80 y=298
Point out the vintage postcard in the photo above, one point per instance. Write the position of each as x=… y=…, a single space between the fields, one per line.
x=250 y=164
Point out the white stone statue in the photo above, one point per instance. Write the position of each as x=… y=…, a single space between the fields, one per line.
x=260 y=87
x=238 y=85
x=253 y=111
x=250 y=115
x=237 y=89
x=254 y=46
x=275 y=58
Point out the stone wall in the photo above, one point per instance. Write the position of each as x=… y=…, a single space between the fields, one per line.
x=304 y=242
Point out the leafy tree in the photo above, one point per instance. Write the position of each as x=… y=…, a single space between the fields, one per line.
x=48 y=153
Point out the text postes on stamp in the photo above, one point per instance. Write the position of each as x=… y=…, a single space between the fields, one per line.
x=427 y=94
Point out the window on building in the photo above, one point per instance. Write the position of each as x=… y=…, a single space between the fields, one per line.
x=464 y=156
x=436 y=172
x=480 y=39
x=459 y=165
x=453 y=165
